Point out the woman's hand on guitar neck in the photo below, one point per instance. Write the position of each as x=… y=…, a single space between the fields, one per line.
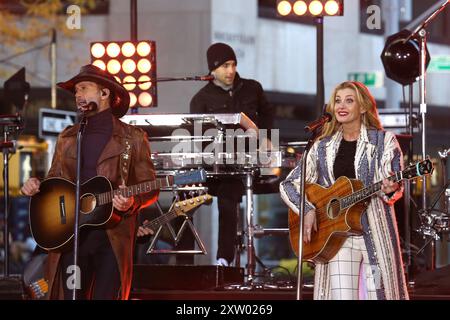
x=30 y=187
x=389 y=186
x=309 y=222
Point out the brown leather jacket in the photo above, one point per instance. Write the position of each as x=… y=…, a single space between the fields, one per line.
x=140 y=169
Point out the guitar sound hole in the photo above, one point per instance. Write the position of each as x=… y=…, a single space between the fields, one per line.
x=333 y=209
x=88 y=203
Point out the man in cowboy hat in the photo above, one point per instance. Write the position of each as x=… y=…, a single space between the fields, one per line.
x=119 y=152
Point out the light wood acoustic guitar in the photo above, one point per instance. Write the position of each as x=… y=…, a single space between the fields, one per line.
x=339 y=209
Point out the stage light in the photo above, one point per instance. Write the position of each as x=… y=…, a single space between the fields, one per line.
x=315 y=7
x=98 y=50
x=300 y=7
x=284 y=7
x=100 y=64
x=129 y=66
x=113 y=66
x=311 y=8
x=113 y=50
x=146 y=82
x=145 y=99
x=130 y=86
x=129 y=62
x=331 y=8
x=143 y=49
x=144 y=65
x=128 y=49
x=401 y=60
x=133 y=99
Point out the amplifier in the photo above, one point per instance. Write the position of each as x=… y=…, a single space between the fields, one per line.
x=184 y=277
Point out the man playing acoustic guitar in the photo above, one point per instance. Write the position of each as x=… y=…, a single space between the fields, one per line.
x=353 y=145
x=120 y=153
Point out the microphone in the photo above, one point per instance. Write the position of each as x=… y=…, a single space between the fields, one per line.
x=313 y=126
x=91 y=106
x=208 y=77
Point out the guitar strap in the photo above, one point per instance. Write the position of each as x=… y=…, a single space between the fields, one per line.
x=125 y=157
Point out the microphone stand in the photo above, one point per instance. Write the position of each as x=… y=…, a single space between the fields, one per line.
x=77 y=207
x=302 y=181
x=167 y=79
x=6 y=146
x=420 y=30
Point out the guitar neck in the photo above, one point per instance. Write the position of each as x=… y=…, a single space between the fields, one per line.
x=161 y=220
x=144 y=187
x=367 y=192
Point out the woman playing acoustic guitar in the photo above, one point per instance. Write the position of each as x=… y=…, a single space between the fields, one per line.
x=354 y=145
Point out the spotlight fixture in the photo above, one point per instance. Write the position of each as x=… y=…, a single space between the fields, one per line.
x=133 y=63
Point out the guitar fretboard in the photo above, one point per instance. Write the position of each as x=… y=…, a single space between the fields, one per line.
x=161 y=220
x=106 y=197
x=367 y=192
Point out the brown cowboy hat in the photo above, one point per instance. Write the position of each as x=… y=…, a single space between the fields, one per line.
x=120 y=100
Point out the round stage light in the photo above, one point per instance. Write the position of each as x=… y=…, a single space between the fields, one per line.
x=133 y=99
x=128 y=49
x=144 y=65
x=130 y=86
x=284 y=8
x=145 y=99
x=98 y=50
x=401 y=60
x=331 y=7
x=143 y=49
x=113 y=66
x=113 y=50
x=100 y=64
x=129 y=66
x=315 y=7
x=300 y=8
x=146 y=85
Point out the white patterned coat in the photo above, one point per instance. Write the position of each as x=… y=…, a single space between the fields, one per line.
x=377 y=154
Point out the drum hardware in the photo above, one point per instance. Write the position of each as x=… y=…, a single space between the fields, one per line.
x=434 y=222
x=248 y=166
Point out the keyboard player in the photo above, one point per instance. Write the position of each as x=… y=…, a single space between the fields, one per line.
x=229 y=93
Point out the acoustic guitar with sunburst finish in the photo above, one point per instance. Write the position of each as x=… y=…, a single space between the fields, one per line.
x=52 y=209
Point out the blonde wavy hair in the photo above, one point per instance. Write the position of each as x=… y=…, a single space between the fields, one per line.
x=365 y=100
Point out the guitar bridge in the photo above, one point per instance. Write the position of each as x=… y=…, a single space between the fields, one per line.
x=62 y=210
